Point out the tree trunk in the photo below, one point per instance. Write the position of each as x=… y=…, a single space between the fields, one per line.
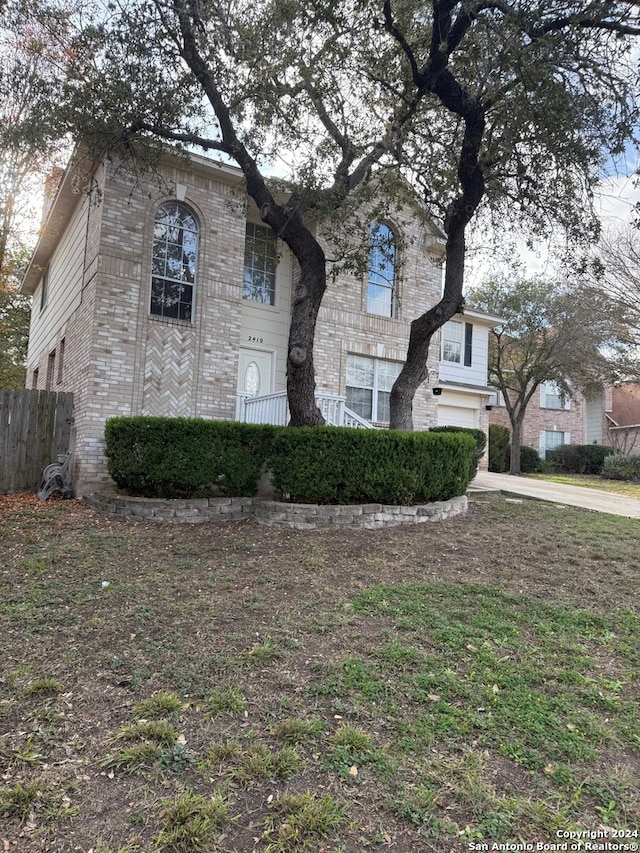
x=516 y=444
x=415 y=371
x=301 y=384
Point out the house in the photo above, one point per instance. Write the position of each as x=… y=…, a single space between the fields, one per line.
x=171 y=297
x=553 y=418
x=621 y=409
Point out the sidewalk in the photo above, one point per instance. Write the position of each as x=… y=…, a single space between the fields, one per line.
x=543 y=490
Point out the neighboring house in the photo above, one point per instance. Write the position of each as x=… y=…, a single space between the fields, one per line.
x=622 y=417
x=173 y=298
x=554 y=418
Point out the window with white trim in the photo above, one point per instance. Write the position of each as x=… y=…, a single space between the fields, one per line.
x=452 y=337
x=381 y=282
x=173 y=269
x=369 y=384
x=260 y=265
x=550 y=439
x=553 y=397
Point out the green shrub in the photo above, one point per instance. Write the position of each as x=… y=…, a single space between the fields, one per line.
x=185 y=457
x=480 y=438
x=499 y=438
x=530 y=461
x=579 y=458
x=620 y=466
x=340 y=465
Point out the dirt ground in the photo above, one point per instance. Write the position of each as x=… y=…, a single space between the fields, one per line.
x=97 y=614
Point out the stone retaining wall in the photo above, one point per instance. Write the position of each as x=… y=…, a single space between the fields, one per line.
x=297 y=516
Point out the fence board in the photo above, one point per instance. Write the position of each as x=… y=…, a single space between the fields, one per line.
x=35 y=428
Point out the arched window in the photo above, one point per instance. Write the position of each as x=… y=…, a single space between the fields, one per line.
x=382 y=270
x=175 y=251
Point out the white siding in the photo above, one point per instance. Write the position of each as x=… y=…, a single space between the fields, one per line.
x=476 y=373
x=64 y=287
x=593 y=421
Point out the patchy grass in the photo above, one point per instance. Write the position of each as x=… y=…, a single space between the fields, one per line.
x=236 y=688
x=592 y=481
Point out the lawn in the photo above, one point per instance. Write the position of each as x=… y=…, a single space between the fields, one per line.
x=592 y=481
x=225 y=688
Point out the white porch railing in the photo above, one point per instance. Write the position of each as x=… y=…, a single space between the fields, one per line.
x=274 y=409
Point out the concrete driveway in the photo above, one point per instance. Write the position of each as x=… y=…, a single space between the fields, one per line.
x=594 y=499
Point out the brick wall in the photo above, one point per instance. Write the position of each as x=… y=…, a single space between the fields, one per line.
x=538 y=419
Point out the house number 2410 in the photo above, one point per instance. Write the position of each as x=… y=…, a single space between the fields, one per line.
x=255 y=340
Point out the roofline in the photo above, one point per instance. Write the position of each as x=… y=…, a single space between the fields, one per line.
x=490 y=319
x=80 y=166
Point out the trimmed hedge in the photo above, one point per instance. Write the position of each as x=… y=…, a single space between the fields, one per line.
x=579 y=458
x=186 y=457
x=180 y=457
x=478 y=436
x=499 y=439
x=340 y=465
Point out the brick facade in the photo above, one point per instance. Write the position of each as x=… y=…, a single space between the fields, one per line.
x=119 y=359
x=538 y=419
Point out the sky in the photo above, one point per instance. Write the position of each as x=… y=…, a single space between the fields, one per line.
x=615 y=203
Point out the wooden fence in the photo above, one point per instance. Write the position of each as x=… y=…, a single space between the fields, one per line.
x=35 y=428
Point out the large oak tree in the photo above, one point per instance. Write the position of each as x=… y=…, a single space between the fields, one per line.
x=512 y=106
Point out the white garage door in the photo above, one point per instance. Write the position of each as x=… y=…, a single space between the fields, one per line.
x=456 y=416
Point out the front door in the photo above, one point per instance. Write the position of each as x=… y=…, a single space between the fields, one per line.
x=255 y=370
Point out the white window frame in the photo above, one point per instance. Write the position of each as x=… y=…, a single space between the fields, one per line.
x=545 y=448
x=552 y=397
x=382 y=272
x=377 y=386
x=167 y=289
x=263 y=263
x=452 y=341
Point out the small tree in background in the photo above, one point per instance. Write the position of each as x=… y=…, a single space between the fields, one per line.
x=571 y=336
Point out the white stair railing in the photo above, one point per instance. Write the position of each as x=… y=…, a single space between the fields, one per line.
x=274 y=409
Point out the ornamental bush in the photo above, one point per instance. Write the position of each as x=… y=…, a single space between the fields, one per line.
x=478 y=435
x=620 y=466
x=186 y=457
x=579 y=458
x=341 y=465
x=530 y=461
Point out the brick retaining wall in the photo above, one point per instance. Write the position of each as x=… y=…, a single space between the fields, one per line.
x=297 y=516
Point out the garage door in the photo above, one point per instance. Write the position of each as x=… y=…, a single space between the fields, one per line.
x=456 y=416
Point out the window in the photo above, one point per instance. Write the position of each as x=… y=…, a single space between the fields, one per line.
x=44 y=288
x=550 y=439
x=552 y=397
x=34 y=383
x=382 y=271
x=457 y=342
x=175 y=250
x=452 y=341
x=51 y=369
x=60 y=361
x=369 y=384
x=260 y=264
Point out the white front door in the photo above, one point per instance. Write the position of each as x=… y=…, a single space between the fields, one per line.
x=255 y=371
